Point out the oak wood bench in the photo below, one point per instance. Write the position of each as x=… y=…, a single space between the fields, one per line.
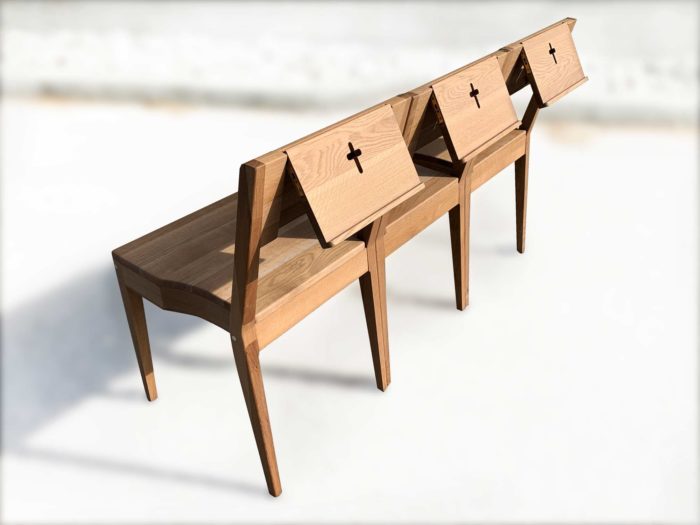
x=257 y=262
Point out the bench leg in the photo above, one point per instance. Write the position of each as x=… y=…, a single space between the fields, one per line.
x=248 y=365
x=373 y=287
x=459 y=235
x=521 y=172
x=136 y=317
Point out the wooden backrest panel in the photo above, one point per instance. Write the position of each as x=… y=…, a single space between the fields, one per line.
x=552 y=63
x=474 y=107
x=282 y=202
x=421 y=125
x=353 y=173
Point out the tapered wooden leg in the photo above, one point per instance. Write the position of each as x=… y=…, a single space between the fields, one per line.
x=374 y=300
x=459 y=235
x=373 y=286
x=521 y=172
x=246 y=354
x=136 y=317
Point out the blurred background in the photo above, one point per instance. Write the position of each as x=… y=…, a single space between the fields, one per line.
x=571 y=389
x=311 y=55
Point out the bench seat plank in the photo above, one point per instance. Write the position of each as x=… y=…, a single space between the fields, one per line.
x=195 y=254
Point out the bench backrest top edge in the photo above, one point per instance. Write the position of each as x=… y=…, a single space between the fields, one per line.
x=501 y=54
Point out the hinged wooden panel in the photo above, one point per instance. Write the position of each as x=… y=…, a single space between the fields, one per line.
x=474 y=107
x=552 y=64
x=353 y=173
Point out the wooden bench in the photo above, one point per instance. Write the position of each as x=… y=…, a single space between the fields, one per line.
x=257 y=262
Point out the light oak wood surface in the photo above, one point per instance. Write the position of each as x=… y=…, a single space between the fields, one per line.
x=553 y=64
x=354 y=173
x=422 y=127
x=440 y=195
x=373 y=288
x=474 y=107
x=257 y=262
x=488 y=163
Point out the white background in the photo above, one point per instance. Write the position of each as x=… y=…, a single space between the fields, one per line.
x=567 y=392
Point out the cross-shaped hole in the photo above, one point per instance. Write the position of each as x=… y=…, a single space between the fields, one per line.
x=355 y=155
x=552 y=52
x=475 y=94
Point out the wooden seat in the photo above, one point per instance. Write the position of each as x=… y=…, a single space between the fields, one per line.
x=190 y=253
x=195 y=255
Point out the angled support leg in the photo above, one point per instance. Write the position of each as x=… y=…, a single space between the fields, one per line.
x=521 y=175
x=459 y=235
x=244 y=338
x=246 y=354
x=136 y=317
x=373 y=287
x=521 y=172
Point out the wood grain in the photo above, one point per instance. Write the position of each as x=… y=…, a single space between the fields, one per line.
x=195 y=255
x=252 y=264
x=136 y=317
x=279 y=194
x=422 y=127
x=470 y=122
x=343 y=199
x=274 y=320
x=284 y=281
x=522 y=167
x=373 y=288
x=459 y=237
x=411 y=217
x=552 y=62
x=488 y=163
x=246 y=356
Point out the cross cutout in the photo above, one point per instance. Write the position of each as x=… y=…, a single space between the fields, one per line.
x=475 y=94
x=355 y=155
x=552 y=52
